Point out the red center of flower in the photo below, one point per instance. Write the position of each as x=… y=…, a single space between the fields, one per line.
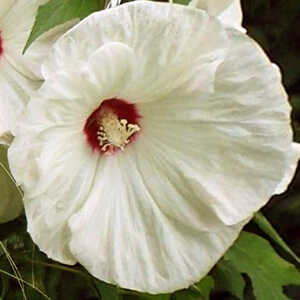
x=112 y=126
x=1 y=45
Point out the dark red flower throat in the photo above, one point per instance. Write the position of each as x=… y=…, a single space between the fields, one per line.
x=1 y=45
x=112 y=126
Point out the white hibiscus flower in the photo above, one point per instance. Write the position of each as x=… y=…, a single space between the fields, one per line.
x=229 y=12
x=155 y=137
x=19 y=74
x=17 y=81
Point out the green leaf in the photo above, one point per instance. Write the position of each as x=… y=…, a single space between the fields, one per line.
x=184 y=2
x=4 y=286
x=57 y=12
x=11 y=195
x=187 y=295
x=268 y=272
x=108 y=291
x=228 y=278
x=204 y=287
x=267 y=228
x=199 y=291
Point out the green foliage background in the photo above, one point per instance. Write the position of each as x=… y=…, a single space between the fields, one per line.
x=259 y=266
x=275 y=24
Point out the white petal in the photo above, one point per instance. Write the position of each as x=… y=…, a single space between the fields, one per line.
x=72 y=94
x=110 y=67
x=16 y=26
x=58 y=182
x=213 y=7
x=20 y=16
x=19 y=75
x=233 y=16
x=39 y=50
x=229 y=12
x=57 y=179
x=6 y=6
x=294 y=158
x=175 y=64
x=3 y=127
x=232 y=147
x=137 y=243
x=15 y=91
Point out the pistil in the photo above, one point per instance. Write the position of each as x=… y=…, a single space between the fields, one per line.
x=114 y=132
x=112 y=126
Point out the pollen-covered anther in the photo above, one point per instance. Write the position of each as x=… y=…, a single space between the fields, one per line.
x=114 y=132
